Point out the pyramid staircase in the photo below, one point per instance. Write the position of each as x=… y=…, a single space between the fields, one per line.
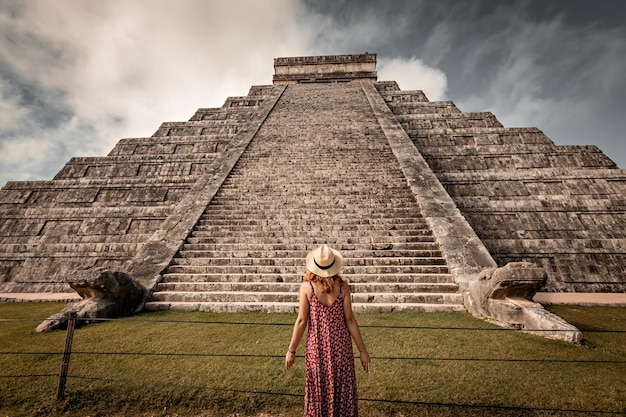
x=318 y=170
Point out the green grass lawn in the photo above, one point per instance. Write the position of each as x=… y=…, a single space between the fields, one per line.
x=202 y=364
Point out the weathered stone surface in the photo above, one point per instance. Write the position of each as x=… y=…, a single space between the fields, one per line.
x=515 y=280
x=101 y=211
x=105 y=294
x=504 y=295
x=300 y=182
x=561 y=207
x=413 y=192
x=327 y=68
x=464 y=252
x=152 y=259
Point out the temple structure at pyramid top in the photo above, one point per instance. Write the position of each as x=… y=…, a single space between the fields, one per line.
x=326 y=68
x=218 y=212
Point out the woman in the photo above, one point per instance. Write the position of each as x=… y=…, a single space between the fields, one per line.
x=326 y=308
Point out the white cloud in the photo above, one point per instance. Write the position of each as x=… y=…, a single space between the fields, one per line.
x=553 y=76
x=125 y=67
x=10 y=112
x=413 y=74
x=23 y=156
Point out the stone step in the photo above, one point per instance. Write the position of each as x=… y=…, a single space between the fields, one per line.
x=360 y=183
x=295 y=198
x=434 y=278
x=248 y=249
x=333 y=210
x=380 y=222
x=308 y=234
x=296 y=202
x=292 y=308
x=320 y=230
x=295 y=217
x=292 y=297
x=348 y=270
x=301 y=183
x=254 y=223
x=306 y=213
x=342 y=187
x=210 y=251
x=358 y=165
x=293 y=287
x=269 y=225
x=330 y=171
x=299 y=262
x=395 y=241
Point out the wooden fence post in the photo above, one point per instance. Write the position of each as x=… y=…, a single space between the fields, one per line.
x=65 y=365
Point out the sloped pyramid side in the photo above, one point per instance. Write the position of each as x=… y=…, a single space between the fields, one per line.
x=102 y=211
x=560 y=207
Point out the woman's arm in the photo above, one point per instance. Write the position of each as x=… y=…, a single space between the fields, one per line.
x=354 y=329
x=299 y=327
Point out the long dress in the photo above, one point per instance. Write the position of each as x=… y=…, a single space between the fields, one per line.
x=330 y=375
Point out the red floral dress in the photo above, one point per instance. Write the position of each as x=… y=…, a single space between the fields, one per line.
x=330 y=375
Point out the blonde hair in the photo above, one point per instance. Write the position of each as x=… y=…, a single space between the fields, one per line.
x=327 y=282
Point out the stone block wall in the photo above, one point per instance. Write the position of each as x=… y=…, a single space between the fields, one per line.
x=561 y=207
x=325 y=68
x=99 y=211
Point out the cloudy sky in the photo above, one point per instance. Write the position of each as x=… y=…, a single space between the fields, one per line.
x=78 y=75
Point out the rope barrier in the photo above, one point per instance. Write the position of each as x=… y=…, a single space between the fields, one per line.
x=384 y=358
x=365 y=326
x=30 y=376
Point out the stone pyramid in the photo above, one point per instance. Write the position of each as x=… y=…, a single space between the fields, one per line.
x=217 y=213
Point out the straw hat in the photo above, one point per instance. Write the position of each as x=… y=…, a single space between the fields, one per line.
x=324 y=261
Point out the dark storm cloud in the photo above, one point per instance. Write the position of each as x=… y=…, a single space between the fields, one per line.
x=605 y=13
x=474 y=39
x=557 y=65
x=46 y=108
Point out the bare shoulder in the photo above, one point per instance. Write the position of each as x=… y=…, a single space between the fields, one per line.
x=345 y=288
x=305 y=287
